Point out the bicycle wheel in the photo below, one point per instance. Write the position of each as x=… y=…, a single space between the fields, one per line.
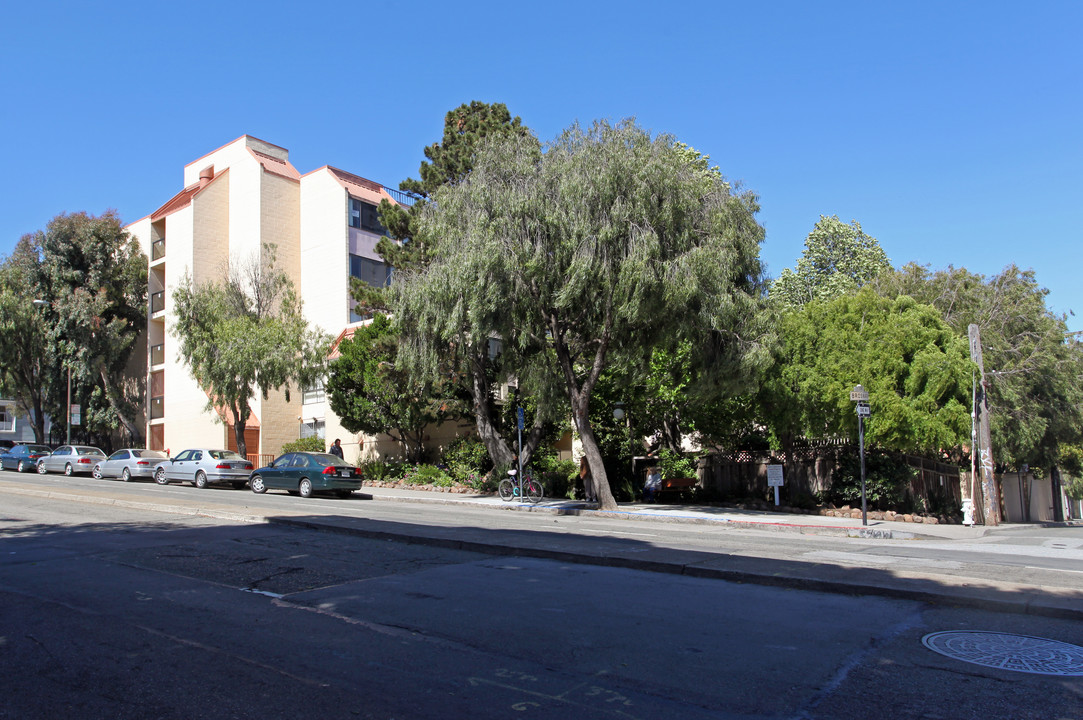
x=507 y=490
x=533 y=490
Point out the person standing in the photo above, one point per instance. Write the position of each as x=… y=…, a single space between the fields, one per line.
x=588 y=480
x=336 y=448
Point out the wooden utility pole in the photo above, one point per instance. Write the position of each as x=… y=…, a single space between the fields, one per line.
x=990 y=496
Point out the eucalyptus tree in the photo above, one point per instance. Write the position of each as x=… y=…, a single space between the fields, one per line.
x=608 y=244
x=28 y=363
x=245 y=334
x=838 y=259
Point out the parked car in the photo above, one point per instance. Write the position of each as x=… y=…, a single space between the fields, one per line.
x=23 y=457
x=70 y=459
x=129 y=463
x=307 y=473
x=201 y=467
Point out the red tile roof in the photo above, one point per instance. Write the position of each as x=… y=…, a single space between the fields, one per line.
x=275 y=166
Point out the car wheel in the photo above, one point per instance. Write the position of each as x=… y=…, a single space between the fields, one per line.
x=305 y=488
x=257 y=485
x=126 y=475
x=97 y=472
x=22 y=466
x=68 y=470
x=159 y=477
x=41 y=468
x=201 y=480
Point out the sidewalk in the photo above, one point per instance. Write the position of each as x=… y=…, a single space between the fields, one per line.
x=734 y=517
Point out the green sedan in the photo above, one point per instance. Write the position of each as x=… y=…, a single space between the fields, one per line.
x=307 y=473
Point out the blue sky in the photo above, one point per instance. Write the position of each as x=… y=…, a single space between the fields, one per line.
x=953 y=132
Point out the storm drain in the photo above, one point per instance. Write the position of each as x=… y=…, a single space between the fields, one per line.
x=1006 y=651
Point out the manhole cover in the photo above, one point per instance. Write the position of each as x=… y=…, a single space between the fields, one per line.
x=1006 y=651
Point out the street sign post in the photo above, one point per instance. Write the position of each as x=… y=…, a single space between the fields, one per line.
x=861 y=396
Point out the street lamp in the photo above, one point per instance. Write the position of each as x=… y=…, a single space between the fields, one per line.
x=43 y=303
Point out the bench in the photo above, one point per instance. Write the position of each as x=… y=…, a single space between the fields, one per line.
x=676 y=485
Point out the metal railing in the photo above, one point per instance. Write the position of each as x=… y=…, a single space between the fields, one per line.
x=157 y=302
x=401 y=196
x=157 y=249
x=260 y=459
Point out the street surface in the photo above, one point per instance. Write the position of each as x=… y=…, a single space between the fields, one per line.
x=116 y=611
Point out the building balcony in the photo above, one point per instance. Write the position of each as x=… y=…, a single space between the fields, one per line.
x=157 y=302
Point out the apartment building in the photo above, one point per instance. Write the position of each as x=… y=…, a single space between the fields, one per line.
x=235 y=200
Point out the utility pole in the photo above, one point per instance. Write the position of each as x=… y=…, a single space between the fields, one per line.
x=991 y=504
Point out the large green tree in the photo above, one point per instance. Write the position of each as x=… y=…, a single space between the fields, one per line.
x=463 y=354
x=1034 y=371
x=838 y=259
x=916 y=369
x=608 y=244
x=246 y=334
x=370 y=394
x=91 y=280
x=28 y=363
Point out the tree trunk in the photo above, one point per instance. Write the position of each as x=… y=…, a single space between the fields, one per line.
x=1058 y=494
x=480 y=390
x=134 y=433
x=239 y=425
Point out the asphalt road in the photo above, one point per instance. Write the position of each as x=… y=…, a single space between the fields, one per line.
x=119 y=612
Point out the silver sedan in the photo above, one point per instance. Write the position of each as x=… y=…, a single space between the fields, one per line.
x=71 y=459
x=201 y=467
x=129 y=463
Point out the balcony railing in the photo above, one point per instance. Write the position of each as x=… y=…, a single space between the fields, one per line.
x=401 y=196
x=260 y=459
x=157 y=302
x=157 y=408
x=157 y=249
x=157 y=354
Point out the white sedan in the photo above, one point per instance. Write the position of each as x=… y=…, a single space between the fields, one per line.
x=129 y=463
x=201 y=467
x=71 y=459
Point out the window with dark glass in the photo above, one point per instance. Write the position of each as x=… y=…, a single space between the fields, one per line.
x=365 y=216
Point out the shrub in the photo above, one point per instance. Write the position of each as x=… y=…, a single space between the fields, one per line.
x=308 y=444
x=674 y=465
x=467 y=451
x=887 y=479
x=427 y=475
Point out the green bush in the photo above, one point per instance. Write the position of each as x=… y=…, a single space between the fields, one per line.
x=887 y=480
x=467 y=451
x=674 y=465
x=427 y=475
x=308 y=444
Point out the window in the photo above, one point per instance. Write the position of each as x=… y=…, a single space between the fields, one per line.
x=371 y=272
x=365 y=216
x=312 y=428
x=7 y=419
x=313 y=393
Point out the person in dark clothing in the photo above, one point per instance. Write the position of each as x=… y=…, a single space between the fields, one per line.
x=336 y=448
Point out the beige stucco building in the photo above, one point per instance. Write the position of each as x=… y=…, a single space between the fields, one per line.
x=234 y=201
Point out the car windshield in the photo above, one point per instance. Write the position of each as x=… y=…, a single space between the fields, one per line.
x=89 y=451
x=327 y=459
x=148 y=453
x=35 y=449
x=224 y=455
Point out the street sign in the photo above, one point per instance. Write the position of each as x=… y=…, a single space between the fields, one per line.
x=774 y=476
x=76 y=414
x=522 y=419
x=863 y=410
x=859 y=394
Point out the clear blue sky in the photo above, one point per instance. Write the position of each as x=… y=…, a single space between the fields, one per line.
x=953 y=132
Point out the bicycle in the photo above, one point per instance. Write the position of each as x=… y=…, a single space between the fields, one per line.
x=526 y=490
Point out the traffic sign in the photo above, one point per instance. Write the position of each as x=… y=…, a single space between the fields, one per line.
x=863 y=410
x=859 y=394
